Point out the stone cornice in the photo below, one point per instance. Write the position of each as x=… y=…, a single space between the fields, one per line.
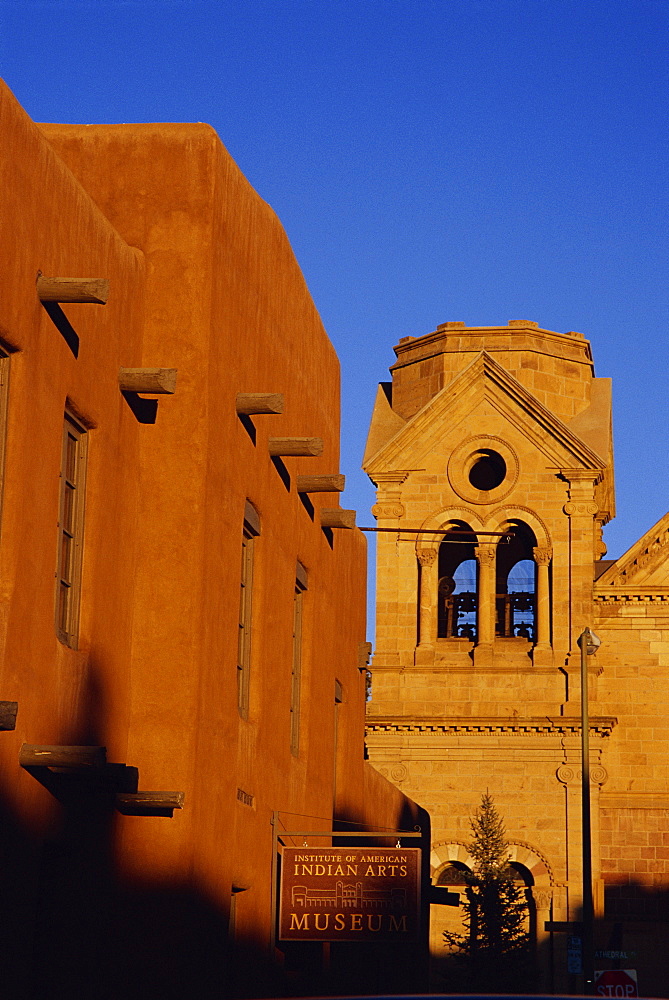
x=521 y=337
x=631 y=595
x=537 y=726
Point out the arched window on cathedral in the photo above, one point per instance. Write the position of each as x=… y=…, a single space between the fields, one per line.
x=452 y=874
x=523 y=878
x=457 y=584
x=516 y=585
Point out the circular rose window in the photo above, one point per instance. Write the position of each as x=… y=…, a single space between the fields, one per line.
x=483 y=469
x=488 y=470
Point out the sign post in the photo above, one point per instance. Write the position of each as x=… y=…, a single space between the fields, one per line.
x=574 y=955
x=616 y=983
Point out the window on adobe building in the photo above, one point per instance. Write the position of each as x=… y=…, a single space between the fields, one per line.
x=515 y=601
x=457 y=585
x=296 y=672
x=250 y=532
x=70 y=530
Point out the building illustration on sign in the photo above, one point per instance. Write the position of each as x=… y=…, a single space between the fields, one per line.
x=349 y=896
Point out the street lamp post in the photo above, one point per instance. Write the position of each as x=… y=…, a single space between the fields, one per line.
x=589 y=643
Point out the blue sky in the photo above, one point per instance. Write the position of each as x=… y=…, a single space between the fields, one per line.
x=430 y=161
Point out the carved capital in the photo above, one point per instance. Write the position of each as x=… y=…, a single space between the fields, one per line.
x=426 y=557
x=598 y=774
x=542 y=898
x=565 y=774
x=542 y=554
x=570 y=775
x=399 y=773
x=396 y=773
x=485 y=554
x=388 y=510
x=582 y=509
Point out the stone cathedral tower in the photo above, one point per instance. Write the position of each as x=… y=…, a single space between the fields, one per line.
x=491 y=451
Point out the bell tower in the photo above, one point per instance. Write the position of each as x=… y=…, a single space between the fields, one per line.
x=492 y=448
x=491 y=452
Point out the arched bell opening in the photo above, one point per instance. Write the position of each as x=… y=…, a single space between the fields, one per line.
x=516 y=585
x=457 y=584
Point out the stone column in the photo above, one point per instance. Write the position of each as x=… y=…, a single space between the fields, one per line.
x=389 y=511
x=542 y=654
x=427 y=603
x=485 y=619
x=569 y=773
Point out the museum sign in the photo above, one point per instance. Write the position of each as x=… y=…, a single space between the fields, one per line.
x=350 y=894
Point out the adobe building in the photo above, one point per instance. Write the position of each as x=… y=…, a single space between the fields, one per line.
x=493 y=447
x=182 y=596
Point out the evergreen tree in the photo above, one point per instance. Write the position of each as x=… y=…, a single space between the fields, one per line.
x=495 y=947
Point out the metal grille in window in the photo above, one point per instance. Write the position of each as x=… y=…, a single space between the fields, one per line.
x=457 y=615
x=453 y=874
x=515 y=615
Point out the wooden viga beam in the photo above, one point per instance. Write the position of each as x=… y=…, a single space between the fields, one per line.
x=249 y=403
x=337 y=518
x=8 y=710
x=295 y=446
x=142 y=803
x=152 y=381
x=321 y=484
x=62 y=756
x=95 y=290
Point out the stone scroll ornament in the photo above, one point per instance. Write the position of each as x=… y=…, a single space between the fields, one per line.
x=399 y=772
x=388 y=510
x=568 y=775
x=586 y=507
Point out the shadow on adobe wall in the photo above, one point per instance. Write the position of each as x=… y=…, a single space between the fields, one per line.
x=72 y=927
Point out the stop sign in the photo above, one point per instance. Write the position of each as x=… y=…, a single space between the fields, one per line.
x=616 y=983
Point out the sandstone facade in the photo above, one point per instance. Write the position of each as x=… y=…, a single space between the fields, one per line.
x=476 y=673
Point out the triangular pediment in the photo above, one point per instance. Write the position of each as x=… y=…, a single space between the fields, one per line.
x=645 y=564
x=484 y=381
